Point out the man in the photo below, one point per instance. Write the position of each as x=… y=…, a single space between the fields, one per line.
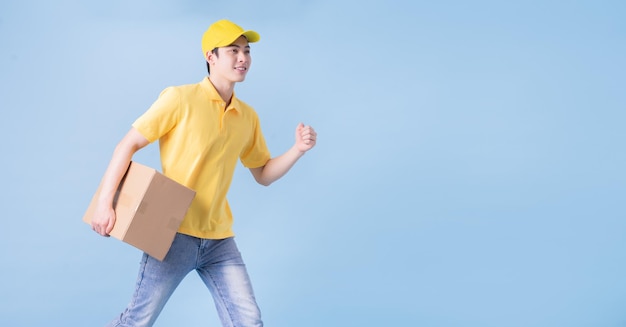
x=203 y=129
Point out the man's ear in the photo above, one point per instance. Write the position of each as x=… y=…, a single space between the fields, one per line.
x=210 y=57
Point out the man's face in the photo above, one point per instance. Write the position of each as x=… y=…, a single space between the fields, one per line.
x=232 y=62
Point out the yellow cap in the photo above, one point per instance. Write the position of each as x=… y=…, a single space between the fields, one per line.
x=223 y=33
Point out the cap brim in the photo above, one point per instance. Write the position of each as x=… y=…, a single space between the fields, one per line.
x=252 y=36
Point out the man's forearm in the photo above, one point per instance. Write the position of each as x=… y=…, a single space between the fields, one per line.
x=113 y=175
x=122 y=155
x=277 y=167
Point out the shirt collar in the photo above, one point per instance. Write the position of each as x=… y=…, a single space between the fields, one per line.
x=215 y=96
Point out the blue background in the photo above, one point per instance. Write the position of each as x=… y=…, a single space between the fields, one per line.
x=469 y=169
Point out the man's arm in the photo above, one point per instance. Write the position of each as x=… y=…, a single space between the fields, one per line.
x=104 y=215
x=277 y=167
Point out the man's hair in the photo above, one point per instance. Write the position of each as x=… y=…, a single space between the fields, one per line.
x=208 y=66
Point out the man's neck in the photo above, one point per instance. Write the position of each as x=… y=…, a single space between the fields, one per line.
x=224 y=88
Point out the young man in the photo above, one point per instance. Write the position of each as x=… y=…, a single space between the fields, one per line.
x=203 y=129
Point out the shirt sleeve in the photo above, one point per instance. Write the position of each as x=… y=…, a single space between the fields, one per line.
x=255 y=154
x=161 y=117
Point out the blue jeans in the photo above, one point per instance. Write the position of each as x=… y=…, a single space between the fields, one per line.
x=221 y=268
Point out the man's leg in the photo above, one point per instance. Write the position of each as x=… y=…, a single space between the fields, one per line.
x=157 y=281
x=224 y=273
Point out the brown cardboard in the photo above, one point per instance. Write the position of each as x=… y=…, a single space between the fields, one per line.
x=149 y=208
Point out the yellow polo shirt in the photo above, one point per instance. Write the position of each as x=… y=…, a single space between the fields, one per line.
x=200 y=142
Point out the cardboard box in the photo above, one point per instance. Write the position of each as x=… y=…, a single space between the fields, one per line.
x=149 y=208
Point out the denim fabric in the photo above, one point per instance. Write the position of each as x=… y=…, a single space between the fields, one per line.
x=221 y=268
